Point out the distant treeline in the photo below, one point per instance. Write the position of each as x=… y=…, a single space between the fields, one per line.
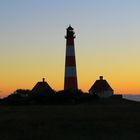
x=27 y=97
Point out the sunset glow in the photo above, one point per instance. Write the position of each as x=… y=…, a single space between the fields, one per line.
x=32 y=43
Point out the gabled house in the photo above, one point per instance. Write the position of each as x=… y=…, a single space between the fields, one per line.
x=101 y=88
x=42 y=88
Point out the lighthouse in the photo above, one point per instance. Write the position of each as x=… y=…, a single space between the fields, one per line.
x=70 y=79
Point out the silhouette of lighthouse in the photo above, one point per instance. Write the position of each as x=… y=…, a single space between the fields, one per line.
x=70 y=81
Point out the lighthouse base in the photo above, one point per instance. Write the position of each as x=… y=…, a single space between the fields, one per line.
x=70 y=83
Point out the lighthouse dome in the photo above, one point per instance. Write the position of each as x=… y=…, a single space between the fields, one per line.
x=70 y=28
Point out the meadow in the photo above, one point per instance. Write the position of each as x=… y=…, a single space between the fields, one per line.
x=96 y=120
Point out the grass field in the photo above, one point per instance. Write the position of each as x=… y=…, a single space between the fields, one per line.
x=98 y=120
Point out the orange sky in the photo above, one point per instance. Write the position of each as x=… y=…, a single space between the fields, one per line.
x=32 y=44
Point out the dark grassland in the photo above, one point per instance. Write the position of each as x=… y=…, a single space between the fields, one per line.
x=97 y=120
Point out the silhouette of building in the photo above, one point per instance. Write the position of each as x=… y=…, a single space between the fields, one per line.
x=70 y=80
x=101 y=88
x=42 y=88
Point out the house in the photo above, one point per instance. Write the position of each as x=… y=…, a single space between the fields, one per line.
x=101 y=88
x=42 y=88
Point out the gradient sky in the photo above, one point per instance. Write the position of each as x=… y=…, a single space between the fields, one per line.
x=32 y=44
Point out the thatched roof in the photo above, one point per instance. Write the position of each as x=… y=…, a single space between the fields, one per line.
x=100 y=85
x=42 y=88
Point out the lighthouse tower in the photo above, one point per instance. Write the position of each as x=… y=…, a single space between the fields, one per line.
x=70 y=81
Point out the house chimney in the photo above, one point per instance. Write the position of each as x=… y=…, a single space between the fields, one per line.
x=101 y=77
x=43 y=79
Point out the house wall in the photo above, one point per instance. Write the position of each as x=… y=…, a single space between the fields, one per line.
x=103 y=94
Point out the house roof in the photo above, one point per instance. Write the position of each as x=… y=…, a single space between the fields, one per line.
x=42 y=88
x=100 y=85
